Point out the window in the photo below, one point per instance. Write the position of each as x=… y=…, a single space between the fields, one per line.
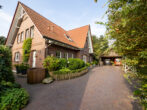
x=21 y=36
x=66 y=55
x=72 y=55
x=17 y=56
x=58 y=54
x=27 y=33
x=68 y=37
x=18 y=39
x=32 y=32
x=84 y=58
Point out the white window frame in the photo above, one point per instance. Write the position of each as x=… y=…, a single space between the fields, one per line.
x=85 y=58
x=18 y=39
x=22 y=36
x=59 y=55
x=17 y=57
x=72 y=55
x=27 y=33
x=32 y=32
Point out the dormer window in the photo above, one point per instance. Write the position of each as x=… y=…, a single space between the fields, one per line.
x=68 y=37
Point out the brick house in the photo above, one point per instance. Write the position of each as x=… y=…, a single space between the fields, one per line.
x=47 y=38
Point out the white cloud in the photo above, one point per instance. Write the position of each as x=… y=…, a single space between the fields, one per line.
x=5 y=16
x=5 y=20
x=97 y=29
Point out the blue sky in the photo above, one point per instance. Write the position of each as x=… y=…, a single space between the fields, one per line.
x=68 y=14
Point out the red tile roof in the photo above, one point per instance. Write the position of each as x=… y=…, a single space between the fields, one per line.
x=45 y=27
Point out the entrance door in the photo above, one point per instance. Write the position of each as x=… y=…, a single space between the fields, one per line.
x=34 y=59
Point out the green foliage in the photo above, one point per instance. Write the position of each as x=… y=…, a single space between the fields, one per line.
x=21 y=68
x=62 y=63
x=5 y=64
x=127 y=25
x=62 y=71
x=75 y=63
x=27 y=49
x=100 y=45
x=68 y=71
x=51 y=63
x=14 y=99
x=2 y=40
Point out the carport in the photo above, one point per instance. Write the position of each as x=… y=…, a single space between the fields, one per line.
x=109 y=57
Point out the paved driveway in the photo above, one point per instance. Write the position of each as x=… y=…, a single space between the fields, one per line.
x=103 y=88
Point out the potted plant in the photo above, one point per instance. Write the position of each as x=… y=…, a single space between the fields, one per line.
x=23 y=68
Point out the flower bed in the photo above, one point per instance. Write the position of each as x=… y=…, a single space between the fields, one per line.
x=60 y=75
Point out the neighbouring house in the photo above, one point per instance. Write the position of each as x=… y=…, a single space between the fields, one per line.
x=47 y=38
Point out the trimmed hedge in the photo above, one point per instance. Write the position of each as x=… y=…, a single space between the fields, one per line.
x=5 y=64
x=75 y=63
x=14 y=99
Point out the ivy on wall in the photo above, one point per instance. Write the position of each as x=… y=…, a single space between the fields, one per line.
x=27 y=49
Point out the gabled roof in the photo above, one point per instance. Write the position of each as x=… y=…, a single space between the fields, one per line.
x=44 y=25
x=79 y=35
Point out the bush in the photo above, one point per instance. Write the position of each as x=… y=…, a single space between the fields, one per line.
x=51 y=63
x=62 y=71
x=5 y=64
x=75 y=63
x=14 y=99
x=62 y=63
x=21 y=68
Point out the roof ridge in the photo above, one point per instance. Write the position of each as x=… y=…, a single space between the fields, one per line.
x=79 y=27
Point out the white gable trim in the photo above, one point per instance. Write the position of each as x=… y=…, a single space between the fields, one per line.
x=90 y=42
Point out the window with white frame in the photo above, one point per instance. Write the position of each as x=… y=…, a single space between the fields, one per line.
x=17 y=57
x=84 y=58
x=18 y=39
x=21 y=36
x=66 y=55
x=68 y=37
x=27 y=33
x=32 y=32
x=58 y=54
x=72 y=55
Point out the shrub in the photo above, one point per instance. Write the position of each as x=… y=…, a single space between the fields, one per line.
x=21 y=68
x=14 y=99
x=62 y=71
x=87 y=64
x=75 y=63
x=62 y=63
x=5 y=64
x=27 y=49
x=51 y=63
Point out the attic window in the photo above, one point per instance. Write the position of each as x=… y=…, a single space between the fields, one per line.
x=68 y=37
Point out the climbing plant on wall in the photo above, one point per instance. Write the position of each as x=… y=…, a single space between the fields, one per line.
x=27 y=49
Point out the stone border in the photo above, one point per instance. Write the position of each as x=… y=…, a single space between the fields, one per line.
x=67 y=76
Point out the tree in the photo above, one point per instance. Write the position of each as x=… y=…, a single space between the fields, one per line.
x=2 y=40
x=127 y=25
x=100 y=45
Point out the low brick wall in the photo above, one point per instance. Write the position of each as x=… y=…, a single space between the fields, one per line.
x=67 y=76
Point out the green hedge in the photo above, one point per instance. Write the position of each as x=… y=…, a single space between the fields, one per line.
x=75 y=63
x=5 y=64
x=14 y=99
x=67 y=71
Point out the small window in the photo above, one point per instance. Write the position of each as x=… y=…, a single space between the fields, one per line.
x=58 y=54
x=18 y=39
x=72 y=55
x=27 y=33
x=68 y=37
x=66 y=55
x=17 y=56
x=32 y=32
x=84 y=58
x=22 y=36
